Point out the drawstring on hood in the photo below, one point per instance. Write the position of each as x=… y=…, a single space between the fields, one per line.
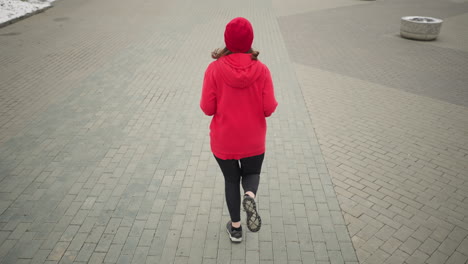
x=238 y=70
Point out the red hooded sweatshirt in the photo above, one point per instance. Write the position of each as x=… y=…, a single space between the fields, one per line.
x=238 y=93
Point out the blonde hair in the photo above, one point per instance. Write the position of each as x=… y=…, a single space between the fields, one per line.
x=218 y=53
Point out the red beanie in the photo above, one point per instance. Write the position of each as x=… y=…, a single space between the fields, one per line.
x=238 y=35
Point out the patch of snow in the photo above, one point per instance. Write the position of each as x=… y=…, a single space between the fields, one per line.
x=11 y=9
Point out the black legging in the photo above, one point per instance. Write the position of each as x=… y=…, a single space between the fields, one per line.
x=233 y=170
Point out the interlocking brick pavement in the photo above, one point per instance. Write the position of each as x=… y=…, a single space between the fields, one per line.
x=390 y=117
x=104 y=152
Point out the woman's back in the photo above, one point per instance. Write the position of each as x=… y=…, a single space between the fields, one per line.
x=244 y=97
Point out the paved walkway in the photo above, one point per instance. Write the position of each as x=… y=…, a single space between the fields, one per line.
x=104 y=153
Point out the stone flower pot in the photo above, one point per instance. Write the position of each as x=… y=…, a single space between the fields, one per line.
x=420 y=28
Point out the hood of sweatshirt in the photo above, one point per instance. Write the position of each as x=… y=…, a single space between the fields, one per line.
x=238 y=70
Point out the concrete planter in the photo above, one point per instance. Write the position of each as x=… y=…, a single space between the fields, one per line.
x=420 y=28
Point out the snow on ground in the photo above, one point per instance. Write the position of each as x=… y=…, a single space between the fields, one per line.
x=11 y=9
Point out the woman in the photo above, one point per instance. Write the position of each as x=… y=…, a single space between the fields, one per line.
x=238 y=93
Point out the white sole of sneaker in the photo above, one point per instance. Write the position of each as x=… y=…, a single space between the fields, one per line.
x=234 y=239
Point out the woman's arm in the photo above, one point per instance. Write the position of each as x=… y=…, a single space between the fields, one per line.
x=269 y=100
x=208 y=97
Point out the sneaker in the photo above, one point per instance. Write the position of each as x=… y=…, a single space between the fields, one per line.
x=234 y=235
x=254 y=222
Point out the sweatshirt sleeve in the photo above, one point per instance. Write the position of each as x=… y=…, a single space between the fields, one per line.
x=208 y=97
x=269 y=100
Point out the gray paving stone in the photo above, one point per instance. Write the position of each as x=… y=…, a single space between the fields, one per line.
x=391 y=245
x=458 y=234
x=181 y=260
x=125 y=259
x=211 y=249
x=429 y=246
x=305 y=242
x=418 y=257
x=130 y=245
x=239 y=253
x=422 y=234
x=52 y=239
x=95 y=234
x=69 y=257
x=224 y=256
x=463 y=246
x=104 y=243
x=378 y=256
x=266 y=250
x=320 y=250
x=97 y=258
x=40 y=256
x=440 y=234
x=437 y=257
x=252 y=240
x=331 y=241
x=140 y=255
x=4 y=235
x=69 y=233
x=183 y=248
x=77 y=242
x=280 y=256
x=410 y=245
x=252 y=257
x=113 y=253
x=293 y=250
x=58 y=251
x=308 y=257
x=457 y=257
x=342 y=233
x=448 y=247
x=86 y=252
x=121 y=235
x=403 y=233
x=19 y=231
x=335 y=257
